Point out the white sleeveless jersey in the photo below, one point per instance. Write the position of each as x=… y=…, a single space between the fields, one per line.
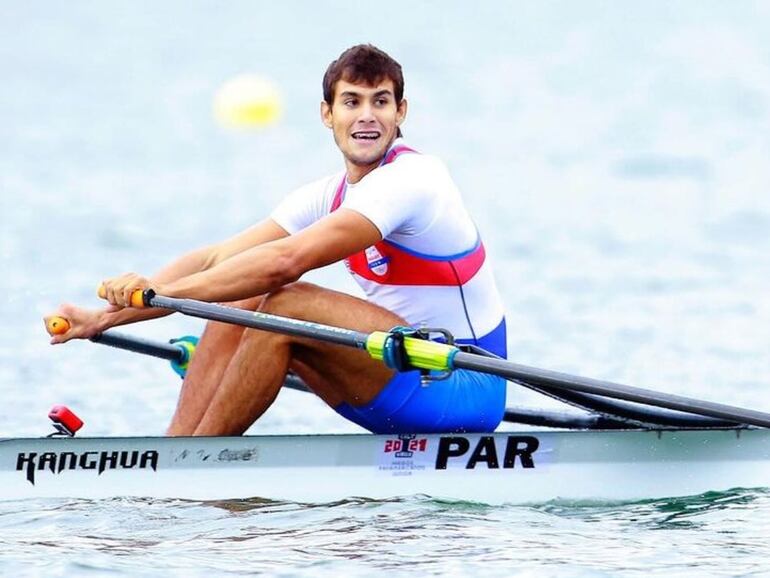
x=430 y=268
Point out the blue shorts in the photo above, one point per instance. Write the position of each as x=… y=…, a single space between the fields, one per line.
x=467 y=401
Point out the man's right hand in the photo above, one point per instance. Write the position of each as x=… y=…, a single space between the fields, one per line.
x=83 y=323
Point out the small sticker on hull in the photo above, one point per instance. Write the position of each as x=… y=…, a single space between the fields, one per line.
x=405 y=454
x=402 y=455
x=244 y=455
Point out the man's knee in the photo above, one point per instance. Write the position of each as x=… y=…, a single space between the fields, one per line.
x=219 y=336
x=290 y=299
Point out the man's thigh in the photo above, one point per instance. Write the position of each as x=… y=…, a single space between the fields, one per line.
x=337 y=373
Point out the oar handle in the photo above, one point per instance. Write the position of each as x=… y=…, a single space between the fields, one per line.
x=137 y=297
x=57 y=325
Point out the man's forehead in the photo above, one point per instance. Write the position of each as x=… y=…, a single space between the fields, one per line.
x=383 y=85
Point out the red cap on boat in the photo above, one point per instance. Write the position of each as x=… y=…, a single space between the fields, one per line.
x=63 y=416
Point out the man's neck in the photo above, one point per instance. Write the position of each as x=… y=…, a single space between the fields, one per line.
x=356 y=172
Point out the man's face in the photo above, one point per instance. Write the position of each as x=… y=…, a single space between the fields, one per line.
x=364 y=120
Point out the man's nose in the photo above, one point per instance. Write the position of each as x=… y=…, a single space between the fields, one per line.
x=367 y=113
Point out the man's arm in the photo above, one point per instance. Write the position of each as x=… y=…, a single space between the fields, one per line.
x=270 y=265
x=86 y=323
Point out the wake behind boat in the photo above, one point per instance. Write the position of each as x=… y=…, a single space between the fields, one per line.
x=628 y=444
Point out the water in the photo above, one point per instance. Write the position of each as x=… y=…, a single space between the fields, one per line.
x=712 y=534
x=613 y=155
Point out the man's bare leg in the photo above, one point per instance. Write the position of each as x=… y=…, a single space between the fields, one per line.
x=256 y=371
x=215 y=350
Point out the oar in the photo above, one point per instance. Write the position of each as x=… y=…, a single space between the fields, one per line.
x=178 y=352
x=431 y=355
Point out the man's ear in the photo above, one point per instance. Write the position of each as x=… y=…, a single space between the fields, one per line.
x=401 y=111
x=326 y=114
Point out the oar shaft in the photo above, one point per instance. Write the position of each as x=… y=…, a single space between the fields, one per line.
x=165 y=351
x=257 y=320
x=168 y=351
x=556 y=379
x=431 y=355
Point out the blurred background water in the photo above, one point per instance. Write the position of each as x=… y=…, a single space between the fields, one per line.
x=614 y=155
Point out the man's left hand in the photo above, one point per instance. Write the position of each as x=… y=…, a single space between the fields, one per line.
x=118 y=290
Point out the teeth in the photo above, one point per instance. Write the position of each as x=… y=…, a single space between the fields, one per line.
x=366 y=135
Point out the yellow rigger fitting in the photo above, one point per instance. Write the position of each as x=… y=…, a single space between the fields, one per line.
x=423 y=354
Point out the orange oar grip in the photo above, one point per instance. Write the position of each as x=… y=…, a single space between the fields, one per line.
x=137 y=297
x=57 y=326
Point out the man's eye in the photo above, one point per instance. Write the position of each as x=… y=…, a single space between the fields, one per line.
x=350 y=102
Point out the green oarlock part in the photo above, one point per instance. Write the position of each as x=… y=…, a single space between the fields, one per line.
x=423 y=354
x=188 y=343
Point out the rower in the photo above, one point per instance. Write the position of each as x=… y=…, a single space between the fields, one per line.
x=397 y=220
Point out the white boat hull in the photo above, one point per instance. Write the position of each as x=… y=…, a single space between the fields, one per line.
x=517 y=468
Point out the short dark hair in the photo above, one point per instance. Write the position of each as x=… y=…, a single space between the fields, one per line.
x=366 y=63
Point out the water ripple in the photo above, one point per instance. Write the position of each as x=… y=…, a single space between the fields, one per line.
x=718 y=533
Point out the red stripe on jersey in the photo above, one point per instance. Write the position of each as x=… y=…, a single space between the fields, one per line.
x=388 y=264
x=339 y=196
x=394 y=152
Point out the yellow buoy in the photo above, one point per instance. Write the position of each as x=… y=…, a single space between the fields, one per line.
x=248 y=101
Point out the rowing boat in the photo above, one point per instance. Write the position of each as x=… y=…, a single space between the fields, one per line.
x=516 y=468
x=631 y=444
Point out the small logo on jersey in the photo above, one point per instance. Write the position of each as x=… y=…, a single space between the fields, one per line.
x=406 y=445
x=377 y=263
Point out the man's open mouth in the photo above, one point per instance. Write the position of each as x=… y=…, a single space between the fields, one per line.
x=366 y=135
